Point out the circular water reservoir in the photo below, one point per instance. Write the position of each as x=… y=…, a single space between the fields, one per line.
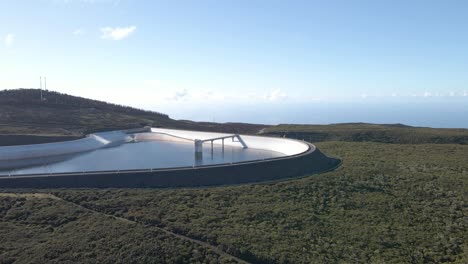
x=158 y=157
x=144 y=155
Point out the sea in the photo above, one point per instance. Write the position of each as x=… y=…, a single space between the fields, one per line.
x=448 y=113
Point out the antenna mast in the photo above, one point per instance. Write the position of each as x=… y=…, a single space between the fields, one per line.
x=40 y=85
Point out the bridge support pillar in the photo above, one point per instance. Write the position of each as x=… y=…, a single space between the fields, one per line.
x=198 y=149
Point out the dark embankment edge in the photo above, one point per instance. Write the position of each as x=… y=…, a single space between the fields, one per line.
x=310 y=162
x=14 y=140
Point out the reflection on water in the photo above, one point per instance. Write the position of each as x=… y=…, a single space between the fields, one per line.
x=146 y=155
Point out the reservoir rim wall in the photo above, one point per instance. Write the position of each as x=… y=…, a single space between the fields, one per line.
x=274 y=169
x=311 y=148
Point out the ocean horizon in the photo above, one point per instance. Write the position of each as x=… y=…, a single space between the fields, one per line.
x=437 y=114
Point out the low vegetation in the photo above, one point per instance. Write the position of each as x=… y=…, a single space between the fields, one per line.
x=362 y=132
x=388 y=203
x=39 y=229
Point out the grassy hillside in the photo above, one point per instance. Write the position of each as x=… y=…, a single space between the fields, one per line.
x=388 y=203
x=362 y=132
x=26 y=119
x=22 y=111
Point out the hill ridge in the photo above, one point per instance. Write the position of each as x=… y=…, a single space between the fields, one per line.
x=33 y=96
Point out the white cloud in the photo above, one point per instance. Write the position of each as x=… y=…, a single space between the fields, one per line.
x=9 y=40
x=452 y=94
x=117 y=33
x=465 y=93
x=163 y=91
x=364 y=96
x=79 y=32
x=179 y=95
x=276 y=95
x=427 y=94
x=209 y=95
x=166 y=92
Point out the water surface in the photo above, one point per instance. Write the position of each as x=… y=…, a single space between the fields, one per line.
x=146 y=155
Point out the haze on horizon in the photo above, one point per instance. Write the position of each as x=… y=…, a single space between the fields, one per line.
x=204 y=60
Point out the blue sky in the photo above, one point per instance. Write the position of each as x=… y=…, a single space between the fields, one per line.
x=166 y=55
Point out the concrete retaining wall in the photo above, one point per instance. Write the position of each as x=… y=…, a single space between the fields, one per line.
x=30 y=155
x=310 y=162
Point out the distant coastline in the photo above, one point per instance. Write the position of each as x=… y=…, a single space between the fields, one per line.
x=429 y=113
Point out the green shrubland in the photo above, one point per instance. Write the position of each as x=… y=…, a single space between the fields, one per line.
x=52 y=231
x=362 y=132
x=387 y=203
